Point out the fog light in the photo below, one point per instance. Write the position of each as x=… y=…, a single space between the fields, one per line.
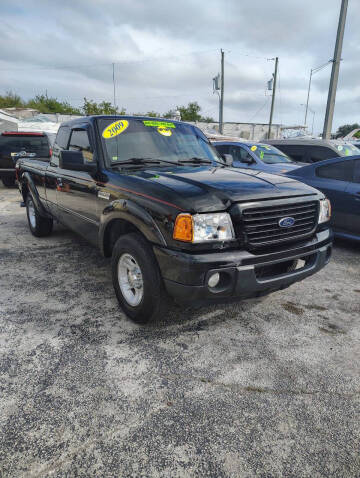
x=214 y=279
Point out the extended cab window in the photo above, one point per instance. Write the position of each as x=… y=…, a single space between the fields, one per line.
x=340 y=171
x=62 y=138
x=79 y=141
x=61 y=142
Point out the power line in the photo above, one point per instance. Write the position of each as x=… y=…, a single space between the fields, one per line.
x=260 y=109
x=96 y=65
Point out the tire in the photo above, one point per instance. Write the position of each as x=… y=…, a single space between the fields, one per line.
x=148 y=300
x=8 y=182
x=39 y=226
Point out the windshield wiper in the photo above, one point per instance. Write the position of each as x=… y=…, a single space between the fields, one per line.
x=139 y=161
x=195 y=160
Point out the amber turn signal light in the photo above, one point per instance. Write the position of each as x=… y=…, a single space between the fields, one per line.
x=183 y=230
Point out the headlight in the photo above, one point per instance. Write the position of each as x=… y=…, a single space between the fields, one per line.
x=203 y=227
x=325 y=211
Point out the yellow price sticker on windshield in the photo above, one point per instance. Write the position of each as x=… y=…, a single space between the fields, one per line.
x=115 y=128
x=253 y=148
x=164 y=131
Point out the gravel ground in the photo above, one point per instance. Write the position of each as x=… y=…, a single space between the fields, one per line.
x=257 y=389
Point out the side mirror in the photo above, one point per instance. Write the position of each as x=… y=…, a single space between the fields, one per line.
x=75 y=161
x=228 y=159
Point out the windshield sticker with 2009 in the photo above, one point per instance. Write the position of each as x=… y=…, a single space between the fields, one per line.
x=115 y=128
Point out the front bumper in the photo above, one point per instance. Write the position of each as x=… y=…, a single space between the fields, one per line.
x=243 y=274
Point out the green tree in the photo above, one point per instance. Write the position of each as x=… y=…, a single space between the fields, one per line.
x=207 y=119
x=191 y=112
x=46 y=104
x=90 y=107
x=346 y=129
x=10 y=100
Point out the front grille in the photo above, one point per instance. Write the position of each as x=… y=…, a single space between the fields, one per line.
x=261 y=224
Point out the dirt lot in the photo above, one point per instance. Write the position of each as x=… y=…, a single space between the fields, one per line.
x=258 y=389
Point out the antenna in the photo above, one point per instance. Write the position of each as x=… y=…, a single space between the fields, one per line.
x=113 y=69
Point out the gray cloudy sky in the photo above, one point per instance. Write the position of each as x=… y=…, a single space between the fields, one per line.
x=166 y=54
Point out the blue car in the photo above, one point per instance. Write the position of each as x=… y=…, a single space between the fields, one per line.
x=263 y=157
x=339 y=180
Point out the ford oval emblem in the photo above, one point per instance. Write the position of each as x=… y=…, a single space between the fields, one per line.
x=286 y=222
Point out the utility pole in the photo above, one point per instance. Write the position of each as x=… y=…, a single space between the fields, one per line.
x=335 y=71
x=221 y=108
x=273 y=96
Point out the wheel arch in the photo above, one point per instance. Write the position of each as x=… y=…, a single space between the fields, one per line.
x=123 y=217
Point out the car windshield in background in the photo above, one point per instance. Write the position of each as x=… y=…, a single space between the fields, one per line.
x=269 y=154
x=347 y=149
x=29 y=144
x=127 y=139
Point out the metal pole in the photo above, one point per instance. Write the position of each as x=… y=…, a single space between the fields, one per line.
x=221 y=109
x=308 y=96
x=113 y=65
x=335 y=71
x=273 y=96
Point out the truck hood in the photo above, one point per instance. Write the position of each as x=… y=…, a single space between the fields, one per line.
x=203 y=188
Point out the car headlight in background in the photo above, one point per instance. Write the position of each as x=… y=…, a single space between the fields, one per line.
x=203 y=227
x=325 y=210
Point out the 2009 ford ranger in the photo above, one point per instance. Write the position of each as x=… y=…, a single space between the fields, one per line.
x=177 y=220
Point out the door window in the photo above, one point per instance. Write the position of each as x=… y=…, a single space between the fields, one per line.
x=296 y=152
x=222 y=148
x=319 y=153
x=80 y=142
x=239 y=153
x=340 y=171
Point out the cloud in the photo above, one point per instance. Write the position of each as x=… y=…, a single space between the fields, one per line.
x=167 y=54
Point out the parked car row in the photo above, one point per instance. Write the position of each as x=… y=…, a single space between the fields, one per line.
x=308 y=161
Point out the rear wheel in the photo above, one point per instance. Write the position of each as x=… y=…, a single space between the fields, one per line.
x=137 y=281
x=39 y=226
x=9 y=182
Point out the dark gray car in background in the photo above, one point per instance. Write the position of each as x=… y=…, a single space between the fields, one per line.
x=313 y=150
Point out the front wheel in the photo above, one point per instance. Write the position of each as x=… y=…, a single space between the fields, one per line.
x=136 y=278
x=39 y=226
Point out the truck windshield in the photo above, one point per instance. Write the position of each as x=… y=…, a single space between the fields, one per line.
x=269 y=155
x=29 y=144
x=154 y=139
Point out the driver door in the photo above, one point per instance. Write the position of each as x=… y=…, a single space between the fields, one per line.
x=77 y=191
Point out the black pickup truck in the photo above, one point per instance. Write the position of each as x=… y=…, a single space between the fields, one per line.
x=178 y=221
x=17 y=144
